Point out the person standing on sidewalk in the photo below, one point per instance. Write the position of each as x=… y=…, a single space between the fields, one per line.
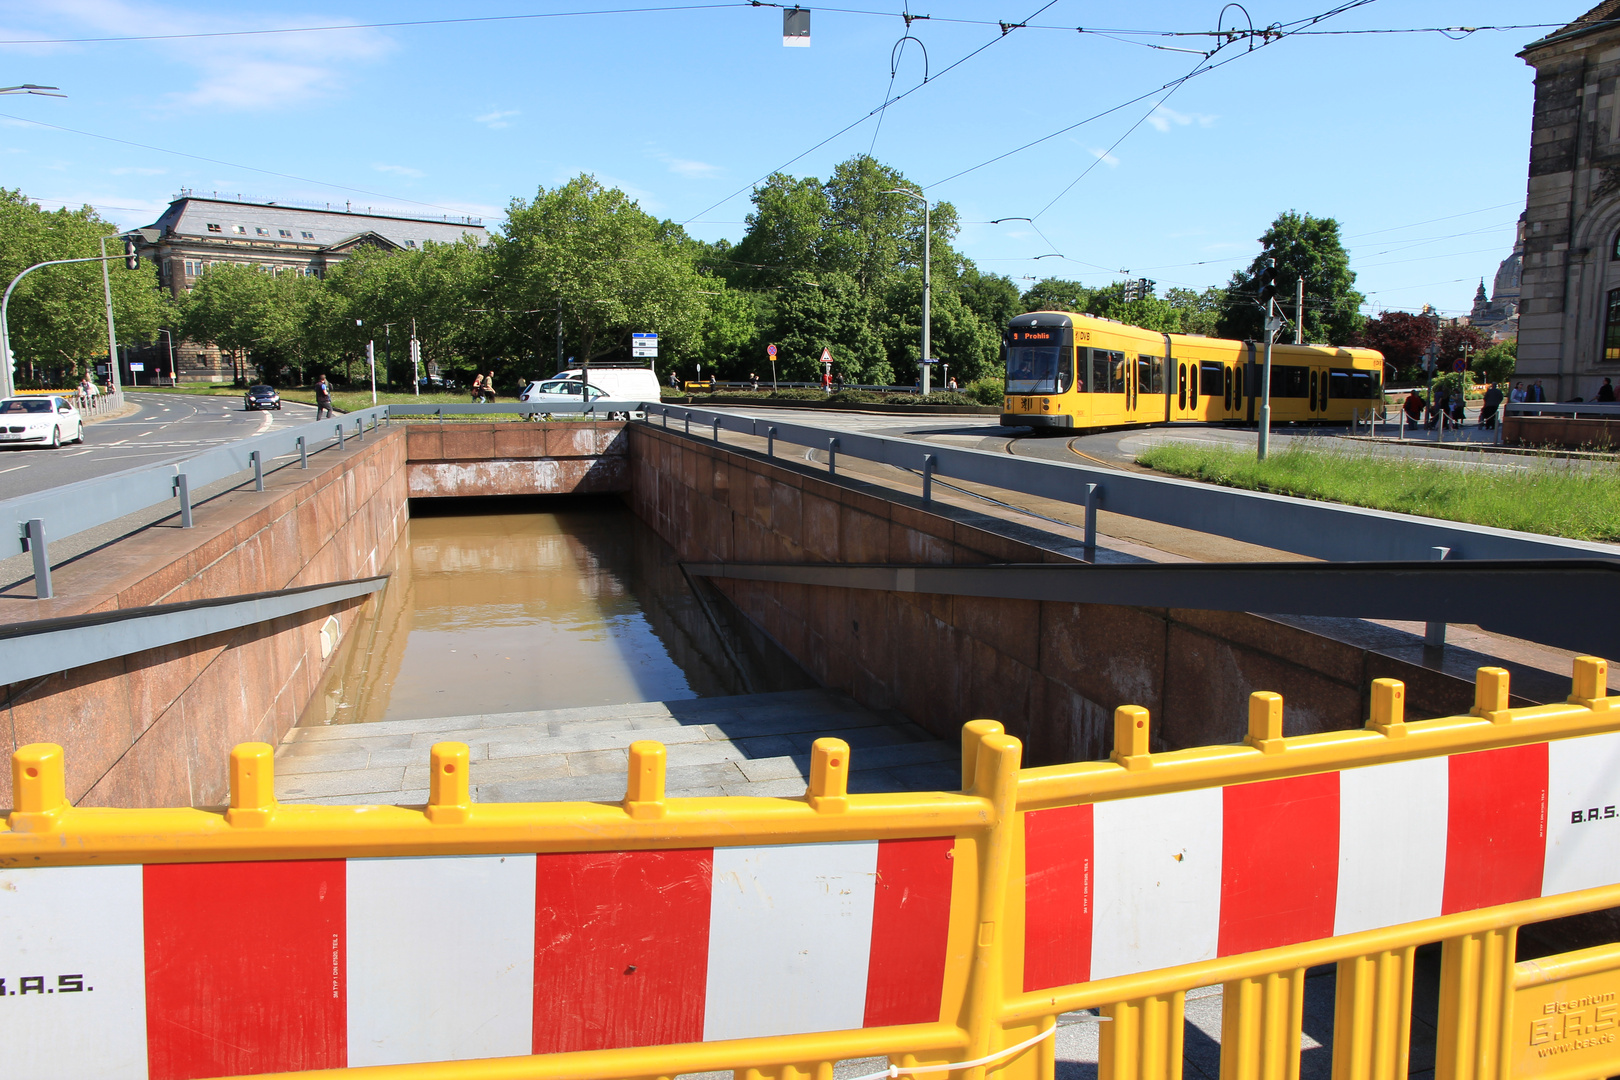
x=323 y=399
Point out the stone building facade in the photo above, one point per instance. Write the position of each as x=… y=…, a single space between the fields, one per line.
x=1569 y=307
x=199 y=231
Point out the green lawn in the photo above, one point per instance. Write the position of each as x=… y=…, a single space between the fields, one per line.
x=1557 y=498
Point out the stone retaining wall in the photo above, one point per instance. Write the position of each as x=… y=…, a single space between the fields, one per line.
x=553 y=458
x=155 y=728
x=1052 y=672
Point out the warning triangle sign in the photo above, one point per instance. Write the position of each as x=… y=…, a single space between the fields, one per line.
x=826 y=355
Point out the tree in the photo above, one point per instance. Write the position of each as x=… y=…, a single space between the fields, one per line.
x=1148 y=312
x=1402 y=337
x=1303 y=246
x=1200 y=311
x=1458 y=342
x=58 y=314
x=1497 y=363
x=608 y=266
x=992 y=297
x=1056 y=294
x=436 y=288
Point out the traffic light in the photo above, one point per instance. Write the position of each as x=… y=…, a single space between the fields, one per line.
x=1133 y=290
x=1267 y=283
x=131 y=259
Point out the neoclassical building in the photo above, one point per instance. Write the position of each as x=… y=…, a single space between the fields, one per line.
x=1498 y=315
x=198 y=231
x=1569 y=305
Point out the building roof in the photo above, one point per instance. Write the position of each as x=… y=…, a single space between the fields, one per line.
x=190 y=216
x=1604 y=15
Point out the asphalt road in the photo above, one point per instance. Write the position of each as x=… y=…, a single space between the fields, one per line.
x=164 y=428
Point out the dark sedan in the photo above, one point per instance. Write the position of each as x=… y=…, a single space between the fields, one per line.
x=260 y=397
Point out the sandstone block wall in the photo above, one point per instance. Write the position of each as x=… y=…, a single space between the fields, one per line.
x=155 y=728
x=553 y=458
x=1052 y=672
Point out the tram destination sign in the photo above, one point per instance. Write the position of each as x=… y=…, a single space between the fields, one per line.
x=1034 y=335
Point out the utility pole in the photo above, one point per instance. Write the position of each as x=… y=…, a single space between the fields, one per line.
x=371 y=362
x=416 y=360
x=1268 y=301
x=112 y=339
x=1299 y=313
x=559 y=335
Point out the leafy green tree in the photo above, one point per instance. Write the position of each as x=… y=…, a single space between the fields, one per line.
x=1303 y=246
x=58 y=314
x=1497 y=363
x=607 y=265
x=1200 y=311
x=227 y=308
x=992 y=297
x=829 y=314
x=436 y=289
x=1457 y=342
x=1056 y=294
x=1148 y=312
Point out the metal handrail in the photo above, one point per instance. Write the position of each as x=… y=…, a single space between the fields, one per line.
x=1594 y=409
x=1320 y=530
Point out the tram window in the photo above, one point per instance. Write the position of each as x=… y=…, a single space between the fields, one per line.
x=1192 y=385
x=1214 y=379
x=1148 y=375
x=1290 y=380
x=1033 y=369
x=1065 y=371
x=1107 y=372
x=1348 y=383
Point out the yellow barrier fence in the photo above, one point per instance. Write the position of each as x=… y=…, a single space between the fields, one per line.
x=945 y=932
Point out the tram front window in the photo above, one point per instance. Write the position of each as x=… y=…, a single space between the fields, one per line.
x=1045 y=369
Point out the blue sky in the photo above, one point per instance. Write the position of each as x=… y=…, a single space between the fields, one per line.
x=1417 y=143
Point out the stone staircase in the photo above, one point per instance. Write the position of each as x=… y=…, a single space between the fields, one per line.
x=756 y=744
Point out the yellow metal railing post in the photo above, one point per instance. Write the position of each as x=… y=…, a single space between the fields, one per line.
x=1476 y=999
x=972 y=732
x=644 y=788
x=1372 y=1016
x=1266 y=722
x=828 y=792
x=1143 y=1040
x=1261 y=1020
x=995 y=779
x=253 y=785
x=449 y=783
x=1491 y=695
x=1131 y=738
x=38 y=787
x=1388 y=708
x=1591 y=683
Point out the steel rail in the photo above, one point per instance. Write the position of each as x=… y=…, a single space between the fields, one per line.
x=31 y=650
x=1319 y=530
x=1569 y=604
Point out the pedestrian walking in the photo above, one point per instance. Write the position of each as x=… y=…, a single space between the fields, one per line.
x=1489 y=407
x=753 y=380
x=1606 y=391
x=1537 y=394
x=1518 y=395
x=478 y=388
x=323 y=399
x=489 y=388
x=1437 y=408
x=1414 y=407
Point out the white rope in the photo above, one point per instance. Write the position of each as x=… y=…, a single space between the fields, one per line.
x=904 y=1070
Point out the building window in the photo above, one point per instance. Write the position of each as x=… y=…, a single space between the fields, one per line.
x=410 y=243
x=262 y=231
x=285 y=232
x=242 y=229
x=194 y=267
x=307 y=235
x=214 y=228
x=1611 y=328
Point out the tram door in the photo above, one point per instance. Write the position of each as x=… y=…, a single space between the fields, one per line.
x=1312 y=396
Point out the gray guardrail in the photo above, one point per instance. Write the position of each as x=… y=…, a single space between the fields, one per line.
x=1319 y=530
x=1596 y=410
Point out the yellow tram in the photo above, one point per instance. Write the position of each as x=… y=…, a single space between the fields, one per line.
x=1074 y=372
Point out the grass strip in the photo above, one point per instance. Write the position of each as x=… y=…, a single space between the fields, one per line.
x=1546 y=497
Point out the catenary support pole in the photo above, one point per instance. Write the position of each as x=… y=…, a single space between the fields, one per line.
x=112 y=338
x=1299 y=313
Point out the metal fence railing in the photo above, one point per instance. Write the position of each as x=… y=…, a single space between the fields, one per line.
x=1315 y=529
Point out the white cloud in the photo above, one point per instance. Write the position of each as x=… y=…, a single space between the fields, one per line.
x=1105 y=157
x=398 y=170
x=271 y=71
x=696 y=170
x=497 y=119
x=1164 y=118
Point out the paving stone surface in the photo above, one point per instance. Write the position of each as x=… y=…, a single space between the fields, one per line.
x=758 y=744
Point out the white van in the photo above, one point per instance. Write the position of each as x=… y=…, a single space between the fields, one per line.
x=612 y=383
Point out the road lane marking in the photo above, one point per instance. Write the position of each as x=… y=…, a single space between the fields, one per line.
x=14 y=468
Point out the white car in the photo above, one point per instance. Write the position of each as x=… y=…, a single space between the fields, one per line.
x=560 y=391
x=47 y=419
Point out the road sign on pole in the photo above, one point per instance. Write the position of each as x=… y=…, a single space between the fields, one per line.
x=643 y=345
x=770 y=351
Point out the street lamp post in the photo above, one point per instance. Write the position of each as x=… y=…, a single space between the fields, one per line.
x=7 y=360
x=112 y=339
x=927 y=281
x=168 y=334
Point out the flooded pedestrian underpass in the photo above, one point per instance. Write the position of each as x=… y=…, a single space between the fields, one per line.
x=513 y=605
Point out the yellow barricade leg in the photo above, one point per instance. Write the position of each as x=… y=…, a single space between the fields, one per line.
x=1372 y=1016
x=1143 y=1041
x=1476 y=994
x=822 y=1071
x=1260 y=1025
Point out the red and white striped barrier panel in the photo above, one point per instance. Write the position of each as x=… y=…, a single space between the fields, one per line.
x=171 y=972
x=1157 y=881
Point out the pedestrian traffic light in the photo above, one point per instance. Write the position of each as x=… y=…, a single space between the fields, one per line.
x=131 y=259
x=1267 y=283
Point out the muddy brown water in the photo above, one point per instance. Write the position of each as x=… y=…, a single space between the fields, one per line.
x=513 y=605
